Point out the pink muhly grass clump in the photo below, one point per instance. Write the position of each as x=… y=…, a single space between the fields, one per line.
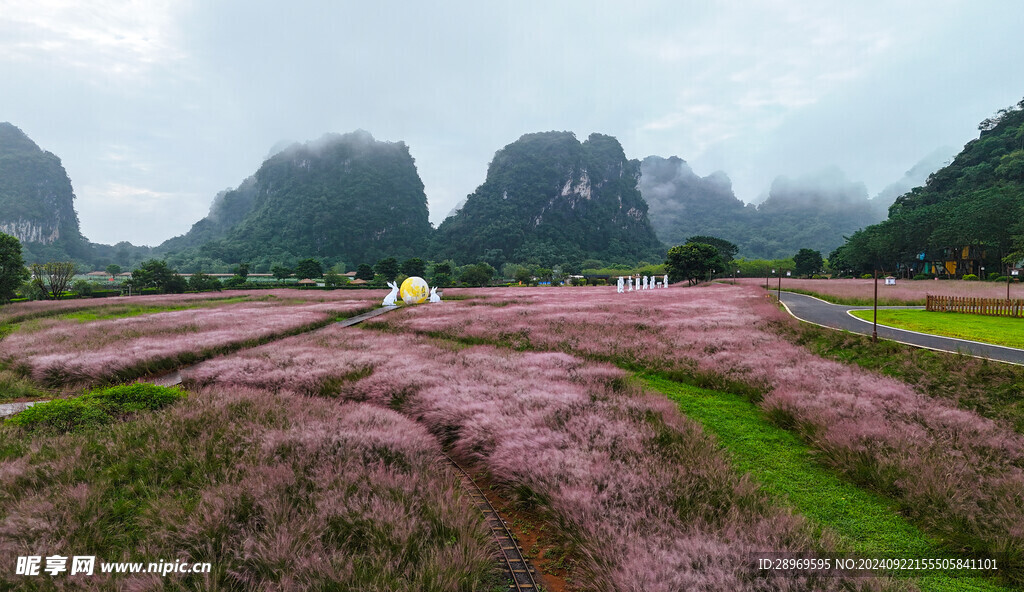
x=962 y=475
x=275 y=491
x=647 y=498
x=904 y=292
x=72 y=352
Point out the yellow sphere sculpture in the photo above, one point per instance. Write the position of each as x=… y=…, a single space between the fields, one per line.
x=414 y=290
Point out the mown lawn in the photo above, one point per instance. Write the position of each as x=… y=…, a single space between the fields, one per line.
x=995 y=330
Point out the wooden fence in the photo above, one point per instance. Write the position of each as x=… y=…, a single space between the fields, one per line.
x=981 y=306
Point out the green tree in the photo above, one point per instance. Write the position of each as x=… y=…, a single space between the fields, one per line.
x=242 y=271
x=58 y=276
x=808 y=262
x=113 y=269
x=12 y=267
x=333 y=279
x=387 y=268
x=726 y=249
x=479 y=274
x=201 y=282
x=281 y=273
x=152 y=273
x=414 y=267
x=364 y=272
x=441 y=274
x=176 y=284
x=692 y=262
x=309 y=269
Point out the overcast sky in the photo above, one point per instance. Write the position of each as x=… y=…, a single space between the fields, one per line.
x=154 y=106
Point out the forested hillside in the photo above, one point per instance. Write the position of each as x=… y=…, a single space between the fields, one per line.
x=550 y=199
x=36 y=199
x=343 y=199
x=971 y=210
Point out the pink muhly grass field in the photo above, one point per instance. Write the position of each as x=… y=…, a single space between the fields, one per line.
x=276 y=492
x=959 y=474
x=25 y=310
x=644 y=495
x=69 y=352
x=904 y=292
x=20 y=311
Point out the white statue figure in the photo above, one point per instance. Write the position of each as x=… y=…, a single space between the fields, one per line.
x=647 y=283
x=433 y=295
x=389 y=300
x=630 y=283
x=620 y=285
x=666 y=281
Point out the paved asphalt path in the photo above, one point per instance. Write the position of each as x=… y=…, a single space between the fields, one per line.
x=819 y=312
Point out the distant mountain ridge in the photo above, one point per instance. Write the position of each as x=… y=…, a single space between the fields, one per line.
x=547 y=199
x=550 y=199
x=815 y=211
x=344 y=198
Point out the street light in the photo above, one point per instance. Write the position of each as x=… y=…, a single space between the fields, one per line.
x=874 y=329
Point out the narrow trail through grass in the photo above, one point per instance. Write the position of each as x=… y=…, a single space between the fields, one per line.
x=995 y=330
x=867 y=523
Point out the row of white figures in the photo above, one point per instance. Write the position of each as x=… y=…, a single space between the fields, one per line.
x=392 y=296
x=644 y=283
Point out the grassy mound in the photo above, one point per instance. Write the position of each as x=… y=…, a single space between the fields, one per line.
x=96 y=407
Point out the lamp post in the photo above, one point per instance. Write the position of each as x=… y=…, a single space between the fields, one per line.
x=874 y=329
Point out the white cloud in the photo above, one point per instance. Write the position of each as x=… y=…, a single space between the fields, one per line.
x=155 y=105
x=110 y=37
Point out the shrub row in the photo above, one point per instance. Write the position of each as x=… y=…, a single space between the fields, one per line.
x=96 y=407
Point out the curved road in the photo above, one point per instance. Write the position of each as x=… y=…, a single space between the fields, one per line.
x=817 y=311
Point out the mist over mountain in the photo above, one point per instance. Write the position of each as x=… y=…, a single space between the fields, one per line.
x=550 y=199
x=37 y=200
x=915 y=177
x=969 y=213
x=814 y=211
x=345 y=199
x=683 y=204
x=228 y=209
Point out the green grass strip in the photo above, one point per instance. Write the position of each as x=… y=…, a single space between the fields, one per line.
x=1006 y=331
x=867 y=523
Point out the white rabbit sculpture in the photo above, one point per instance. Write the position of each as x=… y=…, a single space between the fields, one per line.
x=433 y=295
x=389 y=300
